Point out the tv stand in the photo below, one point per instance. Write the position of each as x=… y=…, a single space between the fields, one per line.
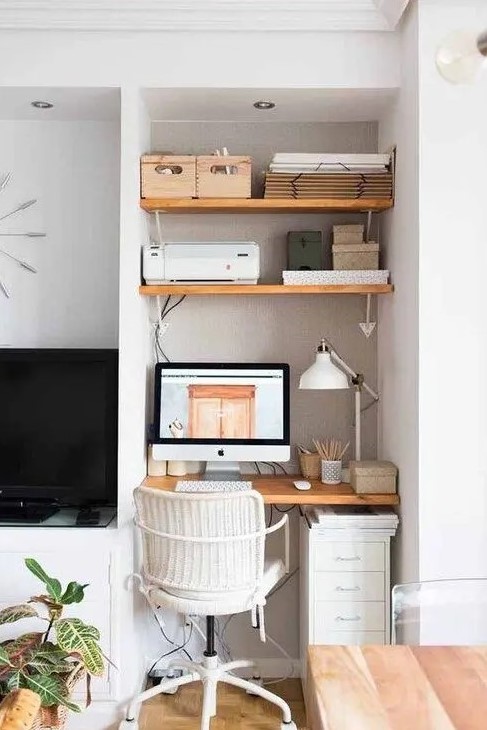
x=88 y=517
x=19 y=511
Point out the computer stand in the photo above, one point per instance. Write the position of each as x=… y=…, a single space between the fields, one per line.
x=222 y=471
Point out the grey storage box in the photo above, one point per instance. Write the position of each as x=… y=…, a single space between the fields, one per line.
x=373 y=477
x=356 y=256
x=348 y=234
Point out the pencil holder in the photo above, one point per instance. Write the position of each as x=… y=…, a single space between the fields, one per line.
x=331 y=472
x=309 y=465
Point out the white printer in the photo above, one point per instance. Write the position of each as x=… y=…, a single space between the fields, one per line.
x=200 y=263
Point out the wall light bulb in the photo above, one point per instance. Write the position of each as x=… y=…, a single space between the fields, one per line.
x=461 y=56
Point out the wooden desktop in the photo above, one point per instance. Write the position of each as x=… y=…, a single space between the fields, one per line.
x=281 y=490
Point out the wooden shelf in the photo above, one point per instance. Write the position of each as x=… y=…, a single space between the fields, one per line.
x=264 y=205
x=281 y=490
x=261 y=289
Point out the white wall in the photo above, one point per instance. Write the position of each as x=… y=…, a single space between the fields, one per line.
x=398 y=315
x=452 y=306
x=72 y=169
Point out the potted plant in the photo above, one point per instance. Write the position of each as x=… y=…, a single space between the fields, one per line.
x=50 y=661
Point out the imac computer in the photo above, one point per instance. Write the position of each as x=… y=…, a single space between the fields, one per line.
x=221 y=414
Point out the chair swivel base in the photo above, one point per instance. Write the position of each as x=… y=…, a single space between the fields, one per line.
x=210 y=672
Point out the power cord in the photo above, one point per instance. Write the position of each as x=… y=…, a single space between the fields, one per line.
x=175 y=650
x=163 y=312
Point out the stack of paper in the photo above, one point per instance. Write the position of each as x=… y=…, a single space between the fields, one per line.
x=296 y=175
x=352 y=518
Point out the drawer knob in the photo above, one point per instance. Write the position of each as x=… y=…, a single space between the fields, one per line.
x=342 y=618
x=341 y=589
x=341 y=559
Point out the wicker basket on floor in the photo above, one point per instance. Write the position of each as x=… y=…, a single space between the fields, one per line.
x=310 y=465
x=54 y=718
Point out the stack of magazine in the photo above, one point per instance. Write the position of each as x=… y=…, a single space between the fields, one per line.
x=344 y=517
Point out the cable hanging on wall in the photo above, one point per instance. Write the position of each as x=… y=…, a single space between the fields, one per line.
x=15 y=234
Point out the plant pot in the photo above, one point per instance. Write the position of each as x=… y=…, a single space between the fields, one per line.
x=55 y=718
x=331 y=472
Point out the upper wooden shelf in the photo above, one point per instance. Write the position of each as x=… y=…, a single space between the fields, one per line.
x=281 y=490
x=264 y=205
x=262 y=289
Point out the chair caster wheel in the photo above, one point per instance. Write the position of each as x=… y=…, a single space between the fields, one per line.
x=288 y=725
x=129 y=725
x=257 y=681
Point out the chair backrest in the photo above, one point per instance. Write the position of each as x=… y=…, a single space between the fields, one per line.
x=202 y=543
x=440 y=612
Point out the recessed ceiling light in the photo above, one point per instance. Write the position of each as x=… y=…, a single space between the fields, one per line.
x=264 y=105
x=42 y=104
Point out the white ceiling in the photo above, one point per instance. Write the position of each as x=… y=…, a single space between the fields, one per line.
x=292 y=105
x=202 y=15
x=70 y=104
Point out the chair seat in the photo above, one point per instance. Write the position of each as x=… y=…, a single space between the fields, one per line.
x=218 y=604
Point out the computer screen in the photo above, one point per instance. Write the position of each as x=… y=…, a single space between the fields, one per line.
x=212 y=403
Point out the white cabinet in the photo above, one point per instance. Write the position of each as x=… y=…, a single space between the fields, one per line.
x=17 y=585
x=345 y=587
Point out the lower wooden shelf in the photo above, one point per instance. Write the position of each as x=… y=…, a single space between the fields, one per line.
x=281 y=490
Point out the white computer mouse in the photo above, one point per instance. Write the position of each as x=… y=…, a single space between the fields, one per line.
x=302 y=485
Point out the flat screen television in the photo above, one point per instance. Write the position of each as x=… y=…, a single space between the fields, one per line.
x=58 y=427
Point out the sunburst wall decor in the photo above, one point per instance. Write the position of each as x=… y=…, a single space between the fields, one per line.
x=12 y=234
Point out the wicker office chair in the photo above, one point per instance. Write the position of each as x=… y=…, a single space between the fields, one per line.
x=203 y=554
x=440 y=612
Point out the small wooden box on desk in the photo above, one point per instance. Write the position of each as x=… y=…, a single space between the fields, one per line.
x=281 y=490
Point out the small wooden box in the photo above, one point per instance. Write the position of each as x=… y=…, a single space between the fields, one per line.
x=373 y=477
x=356 y=257
x=348 y=234
x=168 y=176
x=223 y=177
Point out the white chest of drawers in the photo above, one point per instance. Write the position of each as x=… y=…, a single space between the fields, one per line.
x=345 y=587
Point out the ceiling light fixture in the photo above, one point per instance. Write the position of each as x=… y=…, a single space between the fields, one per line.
x=264 y=105
x=461 y=56
x=42 y=104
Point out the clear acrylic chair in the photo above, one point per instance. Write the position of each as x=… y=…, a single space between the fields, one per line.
x=204 y=555
x=440 y=613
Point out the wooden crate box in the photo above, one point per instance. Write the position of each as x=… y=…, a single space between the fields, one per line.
x=214 y=182
x=168 y=176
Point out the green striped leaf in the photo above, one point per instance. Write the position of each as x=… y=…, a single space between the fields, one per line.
x=51 y=690
x=15 y=613
x=49 y=652
x=15 y=681
x=78 y=638
x=4 y=657
x=53 y=586
x=16 y=649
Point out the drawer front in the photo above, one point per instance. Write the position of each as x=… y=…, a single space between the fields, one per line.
x=352 y=638
x=349 y=556
x=349 y=586
x=353 y=616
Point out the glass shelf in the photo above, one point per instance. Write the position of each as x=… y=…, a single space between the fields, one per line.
x=66 y=517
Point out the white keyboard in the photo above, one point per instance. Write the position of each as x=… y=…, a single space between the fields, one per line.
x=215 y=486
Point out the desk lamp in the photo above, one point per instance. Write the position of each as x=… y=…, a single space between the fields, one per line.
x=330 y=372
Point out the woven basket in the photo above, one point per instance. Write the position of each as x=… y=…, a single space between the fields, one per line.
x=310 y=465
x=54 y=718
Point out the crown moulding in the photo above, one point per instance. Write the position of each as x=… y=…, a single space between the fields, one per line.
x=201 y=15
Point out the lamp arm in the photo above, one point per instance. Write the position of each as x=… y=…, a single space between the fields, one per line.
x=352 y=373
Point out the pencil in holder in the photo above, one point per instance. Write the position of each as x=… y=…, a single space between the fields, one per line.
x=331 y=472
x=310 y=465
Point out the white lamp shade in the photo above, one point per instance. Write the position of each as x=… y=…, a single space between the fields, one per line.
x=323 y=375
x=459 y=59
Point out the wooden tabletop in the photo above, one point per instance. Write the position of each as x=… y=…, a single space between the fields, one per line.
x=281 y=490
x=397 y=688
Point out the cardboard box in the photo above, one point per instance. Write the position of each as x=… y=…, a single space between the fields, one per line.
x=348 y=234
x=356 y=257
x=373 y=477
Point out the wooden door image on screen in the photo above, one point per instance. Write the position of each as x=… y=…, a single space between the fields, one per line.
x=221 y=411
